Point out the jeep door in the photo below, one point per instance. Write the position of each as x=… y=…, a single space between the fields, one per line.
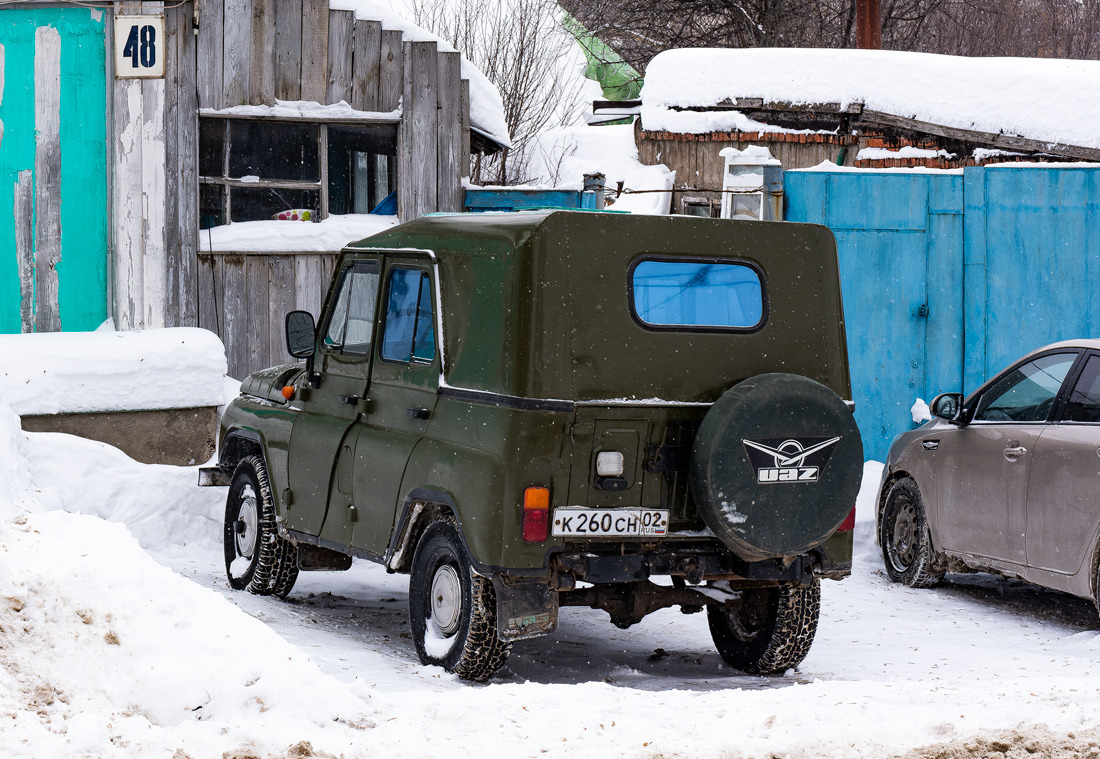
x=342 y=361
x=404 y=386
x=984 y=466
x=1063 y=493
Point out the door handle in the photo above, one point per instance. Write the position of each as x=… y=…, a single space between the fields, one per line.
x=351 y=400
x=417 y=413
x=930 y=445
x=1014 y=452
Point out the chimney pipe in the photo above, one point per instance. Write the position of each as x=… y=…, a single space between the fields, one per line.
x=868 y=25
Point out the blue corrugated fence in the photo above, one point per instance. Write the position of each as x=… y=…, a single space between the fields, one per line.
x=948 y=277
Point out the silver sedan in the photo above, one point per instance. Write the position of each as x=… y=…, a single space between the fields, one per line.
x=1007 y=480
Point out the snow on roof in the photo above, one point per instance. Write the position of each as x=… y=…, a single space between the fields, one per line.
x=486 y=107
x=1049 y=100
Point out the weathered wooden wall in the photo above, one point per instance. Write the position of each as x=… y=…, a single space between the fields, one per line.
x=699 y=168
x=252 y=52
x=246 y=296
x=156 y=184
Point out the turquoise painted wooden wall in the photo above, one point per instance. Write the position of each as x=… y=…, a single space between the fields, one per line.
x=948 y=277
x=53 y=171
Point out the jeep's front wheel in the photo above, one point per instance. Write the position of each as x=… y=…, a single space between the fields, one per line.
x=453 y=611
x=256 y=558
x=767 y=630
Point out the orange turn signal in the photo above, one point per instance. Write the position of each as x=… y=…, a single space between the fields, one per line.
x=288 y=392
x=536 y=514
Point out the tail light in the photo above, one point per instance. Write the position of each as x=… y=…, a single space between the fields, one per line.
x=849 y=522
x=536 y=514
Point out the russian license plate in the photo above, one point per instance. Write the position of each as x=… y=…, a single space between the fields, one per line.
x=609 y=522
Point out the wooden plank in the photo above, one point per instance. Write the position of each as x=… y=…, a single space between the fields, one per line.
x=314 y=49
x=261 y=87
x=341 y=33
x=47 y=174
x=23 y=212
x=406 y=183
x=419 y=126
x=258 y=306
x=1003 y=141
x=391 y=68
x=366 y=58
x=187 y=149
x=209 y=78
x=172 y=190
x=288 y=49
x=236 y=52
x=234 y=314
x=155 y=259
x=309 y=289
x=281 y=303
x=209 y=295
x=449 y=135
x=129 y=271
x=464 y=156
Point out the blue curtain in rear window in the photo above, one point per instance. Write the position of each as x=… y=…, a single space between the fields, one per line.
x=697 y=294
x=410 y=328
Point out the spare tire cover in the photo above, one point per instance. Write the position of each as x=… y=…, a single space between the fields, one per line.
x=776 y=466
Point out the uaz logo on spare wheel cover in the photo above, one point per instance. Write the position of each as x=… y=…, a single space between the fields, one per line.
x=788 y=459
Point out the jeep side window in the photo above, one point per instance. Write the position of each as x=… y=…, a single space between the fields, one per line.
x=350 y=325
x=409 y=330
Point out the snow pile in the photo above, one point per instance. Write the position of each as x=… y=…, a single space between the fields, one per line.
x=303 y=109
x=920 y=411
x=867 y=499
x=486 y=107
x=160 y=504
x=1049 y=100
x=16 y=489
x=75 y=372
x=561 y=157
x=881 y=154
x=329 y=235
x=104 y=652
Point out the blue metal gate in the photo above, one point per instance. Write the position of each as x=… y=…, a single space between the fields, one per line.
x=948 y=277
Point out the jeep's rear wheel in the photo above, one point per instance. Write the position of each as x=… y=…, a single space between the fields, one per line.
x=256 y=558
x=767 y=630
x=453 y=611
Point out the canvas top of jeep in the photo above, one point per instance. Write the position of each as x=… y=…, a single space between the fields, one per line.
x=537 y=400
x=541 y=304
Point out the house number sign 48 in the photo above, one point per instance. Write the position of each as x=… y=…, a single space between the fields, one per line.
x=139 y=47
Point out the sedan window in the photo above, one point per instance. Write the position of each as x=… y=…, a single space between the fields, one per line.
x=1084 y=400
x=1025 y=394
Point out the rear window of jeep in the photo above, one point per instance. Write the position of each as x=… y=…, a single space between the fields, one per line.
x=715 y=295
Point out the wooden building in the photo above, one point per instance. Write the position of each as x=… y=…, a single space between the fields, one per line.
x=129 y=128
x=916 y=110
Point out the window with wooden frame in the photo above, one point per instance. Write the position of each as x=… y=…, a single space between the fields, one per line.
x=253 y=169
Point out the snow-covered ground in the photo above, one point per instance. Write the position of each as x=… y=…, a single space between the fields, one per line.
x=120 y=638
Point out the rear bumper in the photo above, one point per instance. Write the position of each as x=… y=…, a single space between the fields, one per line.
x=695 y=562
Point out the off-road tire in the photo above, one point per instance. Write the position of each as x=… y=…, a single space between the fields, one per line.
x=768 y=630
x=477 y=652
x=907 y=550
x=272 y=567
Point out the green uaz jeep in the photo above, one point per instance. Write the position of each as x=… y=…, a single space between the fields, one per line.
x=534 y=410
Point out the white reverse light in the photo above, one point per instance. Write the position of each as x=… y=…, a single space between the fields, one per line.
x=609 y=464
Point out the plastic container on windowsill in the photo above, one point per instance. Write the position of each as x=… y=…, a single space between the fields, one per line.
x=294 y=214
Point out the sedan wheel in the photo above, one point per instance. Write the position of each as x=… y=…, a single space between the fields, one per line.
x=906 y=543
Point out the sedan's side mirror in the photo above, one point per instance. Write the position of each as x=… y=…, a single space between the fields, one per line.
x=301 y=334
x=947 y=406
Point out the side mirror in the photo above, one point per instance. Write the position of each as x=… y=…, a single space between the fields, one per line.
x=301 y=334
x=947 y=406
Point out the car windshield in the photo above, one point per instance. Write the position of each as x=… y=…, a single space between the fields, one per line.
x=698 y=294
